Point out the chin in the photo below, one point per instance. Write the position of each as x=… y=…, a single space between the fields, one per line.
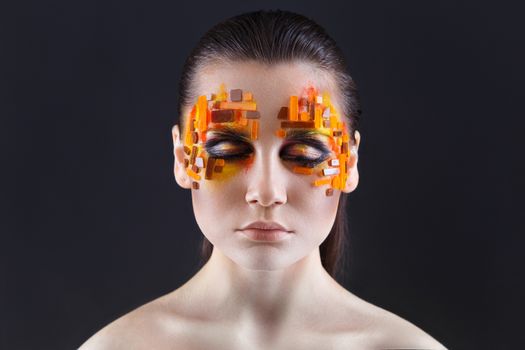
x=260 y=258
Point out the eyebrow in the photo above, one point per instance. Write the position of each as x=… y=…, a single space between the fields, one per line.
x=291 y=134
x=231 y=131
x=304 y=133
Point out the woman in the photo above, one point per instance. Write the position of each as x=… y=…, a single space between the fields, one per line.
x=268 y=146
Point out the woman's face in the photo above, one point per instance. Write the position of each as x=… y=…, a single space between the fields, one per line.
x=261 y=178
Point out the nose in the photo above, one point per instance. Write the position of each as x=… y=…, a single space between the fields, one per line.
x=266 y=181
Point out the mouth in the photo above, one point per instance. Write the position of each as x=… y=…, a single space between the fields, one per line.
x=265 y=231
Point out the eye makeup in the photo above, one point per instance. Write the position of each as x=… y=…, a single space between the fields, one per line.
x=305 y=155
x=312 y=118
x=218 y=133
x=229 y=143
x=221 y=128
x=227 y=149
x=301 y=146
x=305 y=147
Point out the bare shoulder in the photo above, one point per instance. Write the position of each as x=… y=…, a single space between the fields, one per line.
x=394 y=332
x=386 y=330
x=151 y=324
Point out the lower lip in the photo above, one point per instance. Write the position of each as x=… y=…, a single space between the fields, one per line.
x=265 y=235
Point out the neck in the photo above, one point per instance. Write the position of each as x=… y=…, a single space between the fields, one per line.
x=261 y=297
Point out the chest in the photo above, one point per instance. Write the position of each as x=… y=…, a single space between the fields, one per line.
x=219 y=337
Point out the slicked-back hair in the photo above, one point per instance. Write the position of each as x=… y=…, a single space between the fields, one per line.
x=272 y=37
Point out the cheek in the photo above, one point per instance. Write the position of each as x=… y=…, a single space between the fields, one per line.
x=325 y=212
x=319 y=206
x=227 y=171
x=214 y=209
x=310 y=211
x=219 y=201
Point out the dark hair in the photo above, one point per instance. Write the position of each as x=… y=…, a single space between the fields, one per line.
x=271 y=37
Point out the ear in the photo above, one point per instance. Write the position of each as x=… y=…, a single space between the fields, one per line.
x=353 y=175
x=179 y=170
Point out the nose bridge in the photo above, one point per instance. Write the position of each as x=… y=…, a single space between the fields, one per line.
x=266 y=179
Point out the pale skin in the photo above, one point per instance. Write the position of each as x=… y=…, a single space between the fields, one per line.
x=253 y=295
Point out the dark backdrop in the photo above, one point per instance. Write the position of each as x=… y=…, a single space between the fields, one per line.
x=94 y=225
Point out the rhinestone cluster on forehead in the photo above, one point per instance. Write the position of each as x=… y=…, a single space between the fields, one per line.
x=315 y=111
x=237 y=109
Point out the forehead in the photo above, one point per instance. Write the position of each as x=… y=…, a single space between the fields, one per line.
x=271 y=85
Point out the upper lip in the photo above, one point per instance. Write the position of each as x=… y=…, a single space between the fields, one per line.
x=265 y=225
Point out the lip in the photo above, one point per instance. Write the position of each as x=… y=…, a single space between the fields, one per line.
x=265 y=231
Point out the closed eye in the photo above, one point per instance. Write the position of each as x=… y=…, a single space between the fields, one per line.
x=303 y=153
x=228 y=149
x=306 y=150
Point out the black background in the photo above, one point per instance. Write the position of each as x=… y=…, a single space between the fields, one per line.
x=94 y=225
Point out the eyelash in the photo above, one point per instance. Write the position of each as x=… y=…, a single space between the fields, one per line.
x=305 y=161
x=212 y=147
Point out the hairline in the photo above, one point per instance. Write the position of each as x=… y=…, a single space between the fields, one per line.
x=207 y=63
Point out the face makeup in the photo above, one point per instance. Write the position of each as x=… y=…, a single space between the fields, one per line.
x=218 y=134
x=313 y=114
x=221 y=127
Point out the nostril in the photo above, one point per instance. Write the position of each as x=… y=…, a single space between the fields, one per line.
x=266 y=203
x=266 y=190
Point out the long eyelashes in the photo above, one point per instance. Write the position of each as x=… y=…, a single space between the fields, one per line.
x=228 y=149
x=307 y=152
x=305 y=148
x=304 y=154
